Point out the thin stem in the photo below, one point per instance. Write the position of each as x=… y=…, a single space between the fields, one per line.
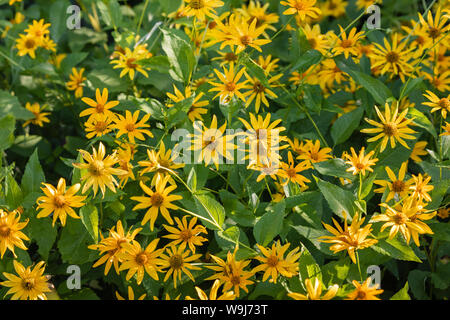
x=142 y=16
x=359 y=266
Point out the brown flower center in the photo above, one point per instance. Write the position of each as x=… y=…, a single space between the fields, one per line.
x=346 y=43
x=130 y=63
x=141 y=258
x=100 y=108
x=59 y=201
x=28 y=284
x=235 y=280
x=30 y=44
x=246 y=40
x=96 y=168
x=398 y=186
x=291 y=172
x=258 y=87
x=390 y=129
x=186 y=235
x=392 y=57
x=272 y=261
x=360 y=295
x=130 y=127
x=312 y=43
x=230 y=57
x=299 y=5
x=434 y=33
x=5 y=231
x=157 y=199
x=444 y=103
x=400 y=219
x=196 y=4
x=230 y=86
x=101 y=126
x=176 y=261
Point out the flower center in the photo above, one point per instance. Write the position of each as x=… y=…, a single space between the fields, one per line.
x=141 y=258
x=196 y=4
x=96 y=168
x=28 y=284
x=434 y=33
x=235 y=280
x=157 y=199
x=398 y=186
x=30 y=44
x=230 y=86
x=314 y=156
x=258 y=87
x=130 y=63
x=400 y=219
x=346 y=43
x=312 y=43
x=186 y=235
x=101 y=126
x=130 y=127
x=230 y=57
x=392 y=57
x=291 y=172
x=390 y=129
x=272 y=261
x=361 y=295
x=359 y=166
x=100 y=108
x=5 y=231
x=176 y=261
x=299 y=5
x=444 y=103
x=59 y=201
x=246 y=40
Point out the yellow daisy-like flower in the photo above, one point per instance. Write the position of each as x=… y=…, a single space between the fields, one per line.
x=39 y=117
x=178 y=261
x=435 y=28
x=258 y=91
x=229 y=87
x=421 y=187
x=125 y=156
x=231 y=273
x=443 y=213
x=438 y=104
x=11 y=2
x=76 y=82
x=350 y=238
x=292 y=171
x=158 y=200
x=273 y=262
x=316 y=39
x=314 y=154
x=364 y=4
x=397 y=186
x=10 y=234
x=314 y=292
x=333 y=8
x=245 y=35
x=158 y=162
x=59 y=201
x=201 y=8
x=27 y=44
x=360 y=163
x=98 y=171
x=439 y=79
x=211 y=144
x=187 y=234
x=112 y=246
x=227 y=295
x=302 y=8
x=346 y=44
x=130 y=295
x=141 y=261
x=446 y=129
x=130 y=126
x=98 y=125
x=101 y=106
x=38 y=29
x=28 y=284
x=129 y=62
x=259 y=11
x=393 y=127
x=197 y=109
x=364 y=291
x=418 y=150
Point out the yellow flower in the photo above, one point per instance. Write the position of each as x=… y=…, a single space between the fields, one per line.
x=178 y=261
x=397 y=186
x=435 y=28
x=292 y=171
x=271 y=169
x=11 y=2
x=259 y=11
x=112 y=246
x=393 y=127
x=39 y=116
x=438 y=104
x=98 y=125
x=364 y=291
x=30 y=284
x=141 y=261
x=258 y=91
x=316 y=39
x=76 y=82
x=350 y=238
x=439 y=80
x=158 y=200
x=302 y=8
x=56 y=60
x=273 y=262
x=59 y=201
x=99 y=170
x=130 y=126
x=268 y=64
x=130 y=295
x=231 y=273
x=129 y=62
x=418 y=150
x=333 y=8
x=229 y=86
x=443 y=213
x=245 y=35
x=364 y=4
x=196 y=110
x=158 y=162
x=125 y=156
x=314 y=292
x=27 y=44
x=101 y=106
x=360 y=163
x=446 y=129
x=346 y=44
x=211 y=144
x=421 y=188
x=187 y=234
x=201 y=8
x=314 y=154
x=328 y=75
x=38 y=30
x=10 y=234
x=227 y=295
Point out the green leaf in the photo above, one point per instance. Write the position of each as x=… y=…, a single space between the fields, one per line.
x=313 y=98
x=180 y=55
x=192 y=180
x=228 y=238
x=311 y=57
x=379 y=91
x=10 y=105
x=115 y=13
x=58 y=18
x=338 y=199
x=416 y=281
x=344 y=126
x=402 y=294
x=89 y=217
x=43 y=233
x=211 y=210
x=270 y=224
x=104 y=13
x=178 y=112
x=308 y=267
x=334 y=168
x=422 y=121
x=254 y=70
x=13 y=193
x=72 y=60
x=34 y=175
x=335 y=272
x=73 y=243
x=158 y=63
x=107 y=78
x=410 y=86
x=396 y=249
x=7 y=126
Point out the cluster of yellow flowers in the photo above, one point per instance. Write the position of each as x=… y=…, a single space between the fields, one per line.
x=37 y=36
